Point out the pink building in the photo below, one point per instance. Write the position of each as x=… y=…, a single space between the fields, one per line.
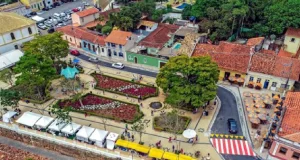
x=85 y=16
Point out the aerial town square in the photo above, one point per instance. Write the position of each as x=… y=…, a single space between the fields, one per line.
x=149 y=79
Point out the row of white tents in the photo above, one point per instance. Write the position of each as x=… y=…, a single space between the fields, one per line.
x=82 y=133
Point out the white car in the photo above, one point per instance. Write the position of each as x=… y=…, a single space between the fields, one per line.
x=93 y=59
x=42 y=26
x=118 y=65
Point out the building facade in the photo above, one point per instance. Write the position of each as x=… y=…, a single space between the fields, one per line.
x=16 y=31
x=146 y=60
x=85 y=16
x=35 y=5
x=292 y=40
x=17 y=7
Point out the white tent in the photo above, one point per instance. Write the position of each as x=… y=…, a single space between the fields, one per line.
x=84 y=133
x=44 y=122
x=98 y=136
x=38 y=19
x=57 y=126
x=110 y=140
x=29 y=118
x=7 y=116
x=10 y=58
x=71 y=128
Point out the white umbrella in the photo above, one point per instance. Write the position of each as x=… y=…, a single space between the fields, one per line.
x=189 y=133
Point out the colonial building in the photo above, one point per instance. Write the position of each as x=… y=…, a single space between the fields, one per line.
x=15 y=30
x=17 y=7
x=85 y=16
x=285 y=144
x=118 y=42
x=84 y=39
x=292 y=41
x=35 y=5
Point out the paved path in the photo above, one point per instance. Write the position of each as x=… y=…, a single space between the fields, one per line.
x=32 y=149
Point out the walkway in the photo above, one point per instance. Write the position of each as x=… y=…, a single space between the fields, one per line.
x=32 y=149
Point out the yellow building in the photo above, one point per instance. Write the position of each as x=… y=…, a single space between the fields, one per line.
x=292 y=40
x=35 y=5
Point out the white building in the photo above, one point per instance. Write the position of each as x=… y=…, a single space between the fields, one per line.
x=15 y=30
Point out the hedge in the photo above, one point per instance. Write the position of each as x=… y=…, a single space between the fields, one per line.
x=124 y=94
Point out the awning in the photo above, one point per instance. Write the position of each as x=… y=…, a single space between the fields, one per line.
x=29 y=118
x=170 y=156
x=184 y=157
x=156 y=153
x=132 y=145
x=122 y=143
x=10 y=58
x=142 y=149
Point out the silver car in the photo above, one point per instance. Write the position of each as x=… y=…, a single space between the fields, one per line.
x=118 y=65
x=93 y=59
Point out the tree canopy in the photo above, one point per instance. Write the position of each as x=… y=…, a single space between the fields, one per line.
x=9 y=97
x=50 y=45
x=188 y=81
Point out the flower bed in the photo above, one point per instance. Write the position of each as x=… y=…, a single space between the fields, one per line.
x=124 y=87
x=104 y=107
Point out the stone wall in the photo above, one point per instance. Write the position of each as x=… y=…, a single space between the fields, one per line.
x=41 y=143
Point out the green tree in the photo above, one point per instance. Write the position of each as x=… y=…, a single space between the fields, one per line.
x=98 y=28
x=6 y=76
x=50 y=45
x=8 y=98
x=126 y=23
x=106 y=29
x=62 y=114
x=188 y=81
x=133 y=12
x=140 y=127
x=187 y=12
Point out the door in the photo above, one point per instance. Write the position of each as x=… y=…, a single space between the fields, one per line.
x=266 y=84
x=135 y=60
x=226 y=76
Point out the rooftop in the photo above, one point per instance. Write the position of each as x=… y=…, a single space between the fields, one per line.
x=13 y=21
x=293 y=32
x=82 y=33
x=118 y=37
x=255 y=41
x=182 y=31
x=87 y=12
x=106 y=13
x=290 y=123
x=284 y=53
x=11 y=6
x=159 y=37
x=145 y=23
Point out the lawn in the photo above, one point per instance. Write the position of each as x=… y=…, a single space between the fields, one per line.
x=124 y=87
x=170 y=124
x=104 y=107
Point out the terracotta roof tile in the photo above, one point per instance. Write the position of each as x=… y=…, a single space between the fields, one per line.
x=87 y=12
x=293 y=32
x=118 y=37
x=94 y=23
x=255 y=41
x=160 y=36
x=262 y=63
x=146 y=23
x=83 y=34
x=106 y=13
x=267 y=52
x=283 y=53
x=233 y=48
x=290 y=123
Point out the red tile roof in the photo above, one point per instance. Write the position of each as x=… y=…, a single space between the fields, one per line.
x=87 y=12
x=293 y=32
x=159 y=37
x=290 y=123
x=262 y=63
x=83 y=34
x=268 y=52
x=106 y=13
x=233 y=48
x=255 y=41
x=118 y=37
x=283 y=53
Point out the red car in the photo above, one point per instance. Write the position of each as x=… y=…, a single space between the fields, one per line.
x=75 y=9
x=75 y=52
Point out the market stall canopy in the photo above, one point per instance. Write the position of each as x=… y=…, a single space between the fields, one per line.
x=44 y=122
x=142 y=148
x=156 y=153
x=111 y=139
x=170 y=156
x=184 y=157
x=189 y=133
x=10 y=58
x=85 y=132
x=29 y=118
x=71 y=128
x=122 y=143
x=57 y=125
x=98 y=135
x=69 y=72
x=7 y=116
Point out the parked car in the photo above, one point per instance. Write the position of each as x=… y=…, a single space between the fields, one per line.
x=56 y=4
x=27 y=15
x=69 y=12
x=51 y=30
x=118 y=65
x=93 y=59
x=33 y=13
x=45 y=9
x=62 y=14
x=232 y=126
x=65 y=19
x=56 y=15
x=75 y=10
x=60 y=24
x=74 y=52
x=50 y=7
x=42 y=26
x=79 y=8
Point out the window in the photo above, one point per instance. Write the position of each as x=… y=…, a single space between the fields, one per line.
x=16 y=47
x=12 y=35
x=84 y=44
x=292 y=39
x=121 y=54
x=29 y=30
x=296 y=155
x=102 y=49
x=70 y=39
x=108 y=44
x=115 y=53
x=251 y=79
x=113 y=45
x=94 y=49
x=283 y=86
x=282 y=150
x=237 y=75
x=120 y=46
x=274 y=84
x=258 y=80
x=82 y=19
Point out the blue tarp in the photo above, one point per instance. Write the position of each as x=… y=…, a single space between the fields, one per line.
x=69 y=72
x=75 y=61
x=192 y=18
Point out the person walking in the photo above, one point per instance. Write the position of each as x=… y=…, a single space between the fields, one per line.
x=141 y=105
x=132 y=138
x=173 y=148
x=126 y=126
x=127 y=96
x=128 y=135
x=170 y=139
x=152 y=112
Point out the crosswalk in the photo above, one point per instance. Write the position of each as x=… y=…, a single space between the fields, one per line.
x=232 y=146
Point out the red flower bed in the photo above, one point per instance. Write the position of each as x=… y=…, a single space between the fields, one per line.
x=123 y=86
x=127 y=112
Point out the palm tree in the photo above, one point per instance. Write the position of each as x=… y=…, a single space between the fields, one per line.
x=126 y=23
